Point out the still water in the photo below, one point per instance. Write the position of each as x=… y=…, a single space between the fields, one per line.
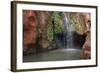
x=55 y=55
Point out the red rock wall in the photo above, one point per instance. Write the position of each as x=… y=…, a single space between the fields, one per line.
x=29 y=29
x=35 y=34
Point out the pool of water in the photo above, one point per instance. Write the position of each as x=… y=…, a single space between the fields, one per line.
x=55 y=55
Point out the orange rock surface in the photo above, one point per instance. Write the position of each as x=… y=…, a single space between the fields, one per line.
x=29 y=28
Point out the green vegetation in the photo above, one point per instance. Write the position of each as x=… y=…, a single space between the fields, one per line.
x=57 y=22
x=49 y=32
x=56 y=18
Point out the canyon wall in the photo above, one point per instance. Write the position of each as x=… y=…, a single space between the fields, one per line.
x=35 y=33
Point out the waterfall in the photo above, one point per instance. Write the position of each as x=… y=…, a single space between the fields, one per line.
x=68 y=43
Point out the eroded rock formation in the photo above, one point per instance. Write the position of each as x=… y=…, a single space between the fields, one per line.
x=34 y=29
x=86 y=49
x=42 y=17
x=29 y=30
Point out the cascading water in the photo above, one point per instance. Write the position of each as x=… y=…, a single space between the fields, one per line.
x=68 y=32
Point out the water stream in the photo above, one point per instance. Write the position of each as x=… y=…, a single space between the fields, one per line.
x=68 y=33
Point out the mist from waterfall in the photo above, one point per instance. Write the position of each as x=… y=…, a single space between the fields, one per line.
x=68 y=32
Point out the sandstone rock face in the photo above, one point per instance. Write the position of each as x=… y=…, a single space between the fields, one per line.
x=29 y=29
x=80 y=21
x=34 y=29
x=43 y=22
x=86 y=49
